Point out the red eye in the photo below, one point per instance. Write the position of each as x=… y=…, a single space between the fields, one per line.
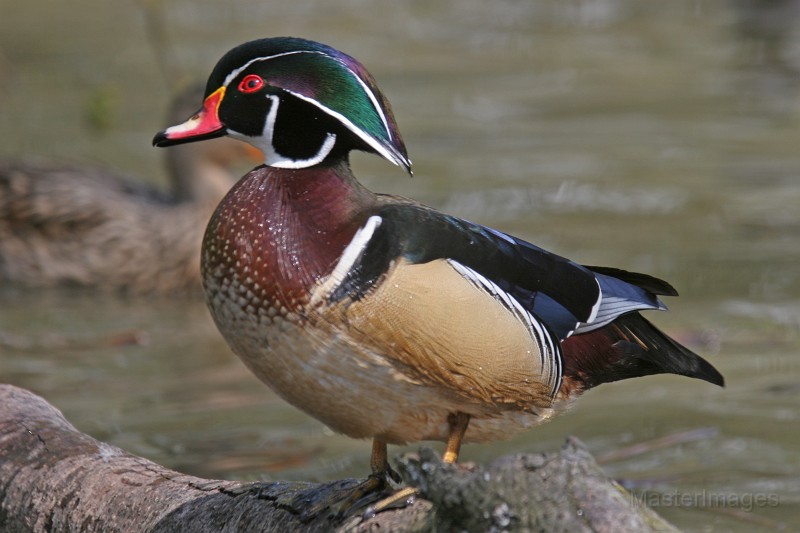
x=251 y=83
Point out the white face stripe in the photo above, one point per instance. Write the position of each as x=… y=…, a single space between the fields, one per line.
x=230 y=77
x=271 y=156
x=352 y=127
x=374 y=99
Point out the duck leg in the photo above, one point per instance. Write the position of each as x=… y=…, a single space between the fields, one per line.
x=383 y=474
x=458 y=423
x=379 y=462
x=379 y=480
x=458 y=427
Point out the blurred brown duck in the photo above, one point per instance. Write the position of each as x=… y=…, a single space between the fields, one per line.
x=68 y=224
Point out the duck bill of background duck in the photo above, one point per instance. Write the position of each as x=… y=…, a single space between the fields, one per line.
x=204 y=124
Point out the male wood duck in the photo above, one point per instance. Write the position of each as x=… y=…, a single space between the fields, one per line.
x=68 y=224
x=379 y=316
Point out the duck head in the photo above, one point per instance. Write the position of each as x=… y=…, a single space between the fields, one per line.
x=300 y=102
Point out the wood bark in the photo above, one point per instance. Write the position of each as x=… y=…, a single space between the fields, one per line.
x=54 y=478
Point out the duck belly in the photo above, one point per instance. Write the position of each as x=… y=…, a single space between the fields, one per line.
x=330 y=364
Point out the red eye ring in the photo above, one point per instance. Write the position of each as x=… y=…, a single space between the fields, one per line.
x=251 y=83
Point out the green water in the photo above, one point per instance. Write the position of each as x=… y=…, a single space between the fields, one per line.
x=660 y=137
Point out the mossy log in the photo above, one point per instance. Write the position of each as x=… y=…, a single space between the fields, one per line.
x=54 y=478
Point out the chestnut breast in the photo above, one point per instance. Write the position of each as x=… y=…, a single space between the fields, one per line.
x=272 y=242
x=276 y=233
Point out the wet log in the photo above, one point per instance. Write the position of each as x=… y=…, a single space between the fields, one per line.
x=54 y=478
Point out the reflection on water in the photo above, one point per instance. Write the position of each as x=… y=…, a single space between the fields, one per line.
x=655 y=137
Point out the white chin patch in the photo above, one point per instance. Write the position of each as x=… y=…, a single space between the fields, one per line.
x=271 y=157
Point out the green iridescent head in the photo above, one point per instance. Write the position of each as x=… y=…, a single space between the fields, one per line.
x=299 y=101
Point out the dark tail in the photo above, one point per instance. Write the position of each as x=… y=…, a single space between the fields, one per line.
x=631 y=347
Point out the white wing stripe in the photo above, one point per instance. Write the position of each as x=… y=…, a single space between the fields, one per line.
x=549 y=352
x=611 y=308
x=597 y=304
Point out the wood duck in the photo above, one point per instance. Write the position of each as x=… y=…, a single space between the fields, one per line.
x=379 y=316
x=67 y=224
